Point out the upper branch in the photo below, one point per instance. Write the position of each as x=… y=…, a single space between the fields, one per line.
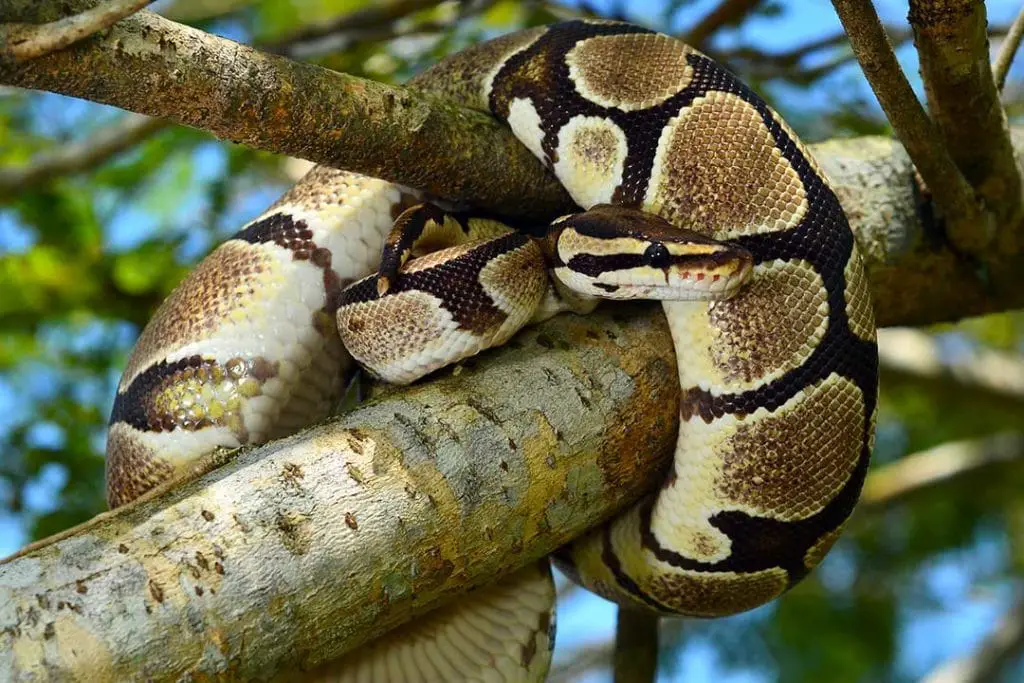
x=156 y=67
x=952 y=43
x=969 y=227
x=29 y=41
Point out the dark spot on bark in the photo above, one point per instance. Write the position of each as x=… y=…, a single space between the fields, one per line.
x=512 y=445
x=546 y=341
x=43 y=601
x=122 y=548
x=294 y=528
x=245 y=528
x=49 y=631
x=591 y=334
x=199 y=590
x=201 y=561
x=156 y=591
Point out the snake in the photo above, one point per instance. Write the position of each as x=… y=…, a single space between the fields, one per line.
x=692 y=191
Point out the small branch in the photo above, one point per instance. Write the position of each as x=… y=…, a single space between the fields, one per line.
x=1008 y=50
x=969 y=228
x=636 y=647
x=998 y=650
x=373 y=17
x=728 y=12
x=952 y=42
x=891 y=484
x=21 y=42
x=80 y=156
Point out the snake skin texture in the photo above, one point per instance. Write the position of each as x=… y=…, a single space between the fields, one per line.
x=776 y=349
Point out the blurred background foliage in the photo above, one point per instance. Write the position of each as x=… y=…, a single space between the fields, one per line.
x=101 y=213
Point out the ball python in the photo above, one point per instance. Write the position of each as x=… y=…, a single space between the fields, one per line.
x=693 y=191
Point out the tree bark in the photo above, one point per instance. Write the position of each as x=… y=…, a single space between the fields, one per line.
x=294 y=553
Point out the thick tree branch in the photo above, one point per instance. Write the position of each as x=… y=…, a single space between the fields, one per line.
x=1008 y=50
x=297 y=551
x=20 y=42
x=952 y=42
x=153 y=66
x=970 y=228
x=80 y=156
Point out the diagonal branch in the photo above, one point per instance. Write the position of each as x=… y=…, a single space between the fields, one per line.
x=295 y=552
x=80 y=156
x=952 y=42
x=28 y=41
x=726 y=13
x=892 y=484
x=1008 y=50
x=998 y=651
x=969 y=228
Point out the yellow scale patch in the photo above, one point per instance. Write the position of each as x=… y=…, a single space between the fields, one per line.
x=757 y=191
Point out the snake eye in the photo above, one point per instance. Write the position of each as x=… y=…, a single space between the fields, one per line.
x=657 y=256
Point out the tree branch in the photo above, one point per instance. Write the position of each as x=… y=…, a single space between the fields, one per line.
x=892 y=484
x=153 y=66
x=295 y=552
x=1008 y=50
x=636 y=647
x=969 y=228
x=20 y=42
x=727 y=12
x=998 y=650
x=952 y=43
x=80 y=156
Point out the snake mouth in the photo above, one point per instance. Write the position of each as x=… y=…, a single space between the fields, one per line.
x=664 y=271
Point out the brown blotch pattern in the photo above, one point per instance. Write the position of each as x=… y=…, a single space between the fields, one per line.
x=720 y=148
x=461 y=77
x=223 y=283
x=772 y=325
x=629 y=72
x=790 y=464
x=131 y=469
x=715 y=595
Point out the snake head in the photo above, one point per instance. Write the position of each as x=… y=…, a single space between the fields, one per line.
x=615 y=252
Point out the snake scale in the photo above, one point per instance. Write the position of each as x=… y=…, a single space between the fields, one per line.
x=698 y=194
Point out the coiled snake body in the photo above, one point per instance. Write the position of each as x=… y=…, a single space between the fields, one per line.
x=701 y=196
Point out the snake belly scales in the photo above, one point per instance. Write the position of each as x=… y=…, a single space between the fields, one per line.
x=778 y=376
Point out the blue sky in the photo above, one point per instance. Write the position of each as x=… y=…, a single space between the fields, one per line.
x=961 y=616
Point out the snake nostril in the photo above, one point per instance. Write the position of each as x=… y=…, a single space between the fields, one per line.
x=657 y=256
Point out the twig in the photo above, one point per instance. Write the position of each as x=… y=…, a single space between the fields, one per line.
x=963 y=101
x=20 y=42
x=998 y=650
x=1007 y=50
x=80 y=156
x=636 y=646
x=372 y=17
x=970 y=229
x=893 y=483
x=727 y=12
